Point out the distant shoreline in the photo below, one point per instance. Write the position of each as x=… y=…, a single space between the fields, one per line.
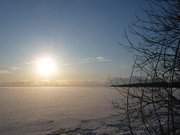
x=54 y=86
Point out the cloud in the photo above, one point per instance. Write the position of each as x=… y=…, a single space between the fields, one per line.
x=14 y=68
x=98 y=59
x=29 y=62
x=102 y=59
x=89 y=60
x=9 y=70
x=4 y=71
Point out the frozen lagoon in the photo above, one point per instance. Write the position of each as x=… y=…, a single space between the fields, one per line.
x=42 y=110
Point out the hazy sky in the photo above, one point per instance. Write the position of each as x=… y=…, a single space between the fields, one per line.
x=82 y=35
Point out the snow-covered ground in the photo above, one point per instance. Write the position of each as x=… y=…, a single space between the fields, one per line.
x=43 y=110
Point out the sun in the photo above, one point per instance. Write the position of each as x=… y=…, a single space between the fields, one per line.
x=45 y=66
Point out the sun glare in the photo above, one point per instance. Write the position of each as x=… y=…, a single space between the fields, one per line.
x=46 y=66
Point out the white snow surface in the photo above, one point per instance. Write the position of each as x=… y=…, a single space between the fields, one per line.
x=44 y=110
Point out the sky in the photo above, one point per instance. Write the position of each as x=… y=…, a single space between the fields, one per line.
x=81 y=35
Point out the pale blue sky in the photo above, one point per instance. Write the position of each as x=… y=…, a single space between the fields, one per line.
x=74 y=31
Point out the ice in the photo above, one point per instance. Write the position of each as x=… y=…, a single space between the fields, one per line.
x=47 y=110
